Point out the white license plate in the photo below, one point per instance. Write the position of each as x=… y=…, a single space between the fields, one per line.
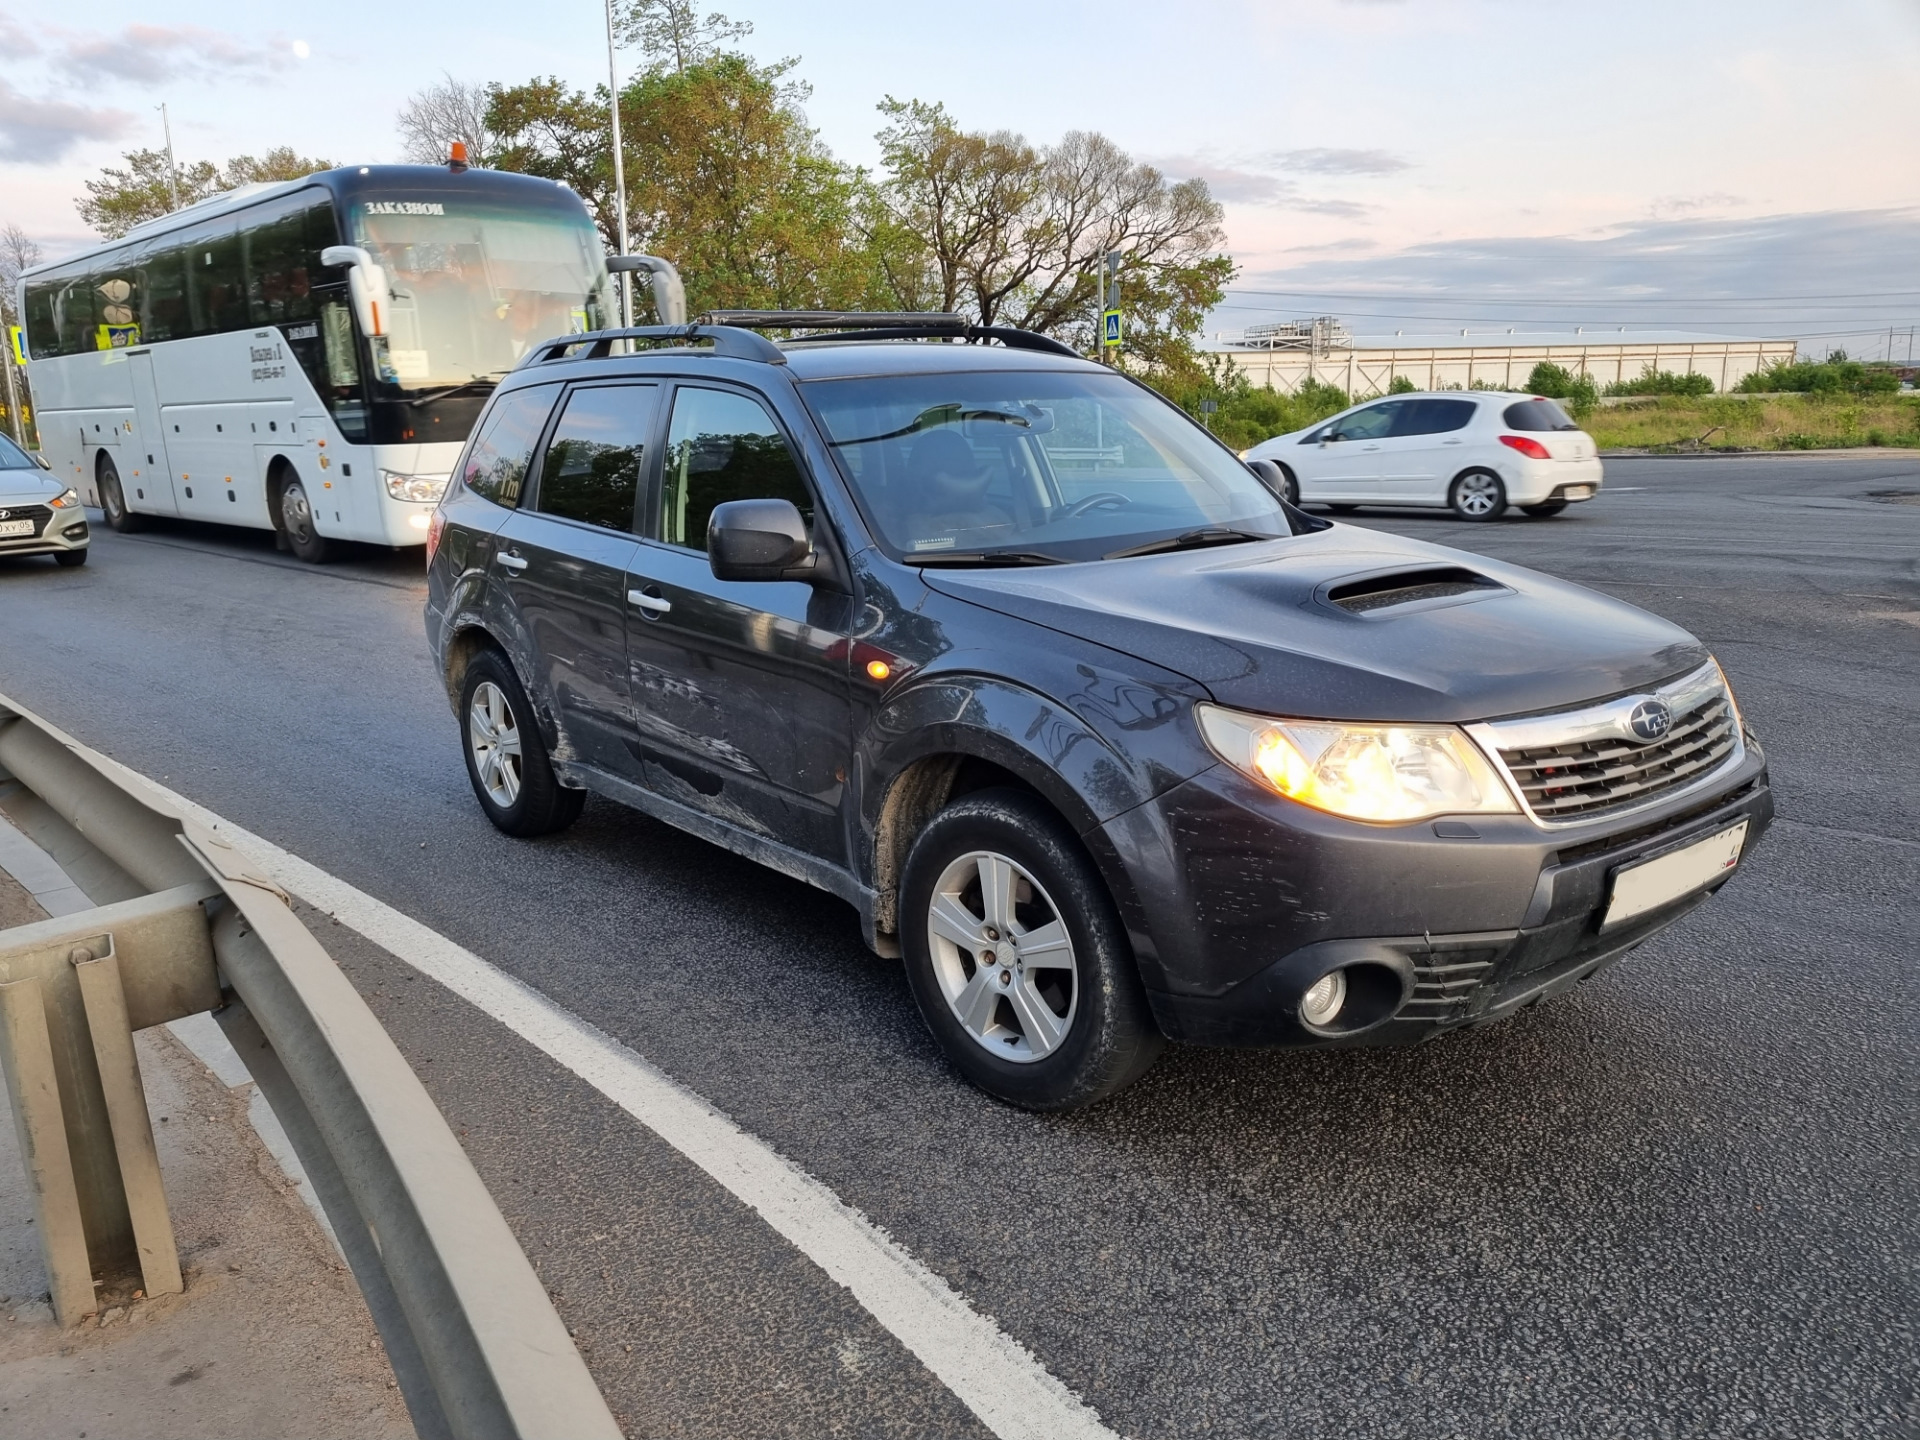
x=1653 y=883
x=15 y=527
x=1578 y=492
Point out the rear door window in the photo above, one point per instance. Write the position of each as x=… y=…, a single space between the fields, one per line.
x=596 y=456
x=723 y=446
x=1433 y=417
x=496 y=463
x=1537 y=414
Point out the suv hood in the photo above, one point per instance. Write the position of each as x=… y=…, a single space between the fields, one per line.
x=1256 y=625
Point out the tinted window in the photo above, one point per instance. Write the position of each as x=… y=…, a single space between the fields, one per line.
x=593 y=464
x=1432 y=417
x=722 y=447
x=12 y=457
x=1371 y=423
x=496 y=463
x=283 y=243
x=1537 y=415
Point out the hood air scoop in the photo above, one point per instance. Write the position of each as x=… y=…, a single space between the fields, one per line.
x=1398 y=589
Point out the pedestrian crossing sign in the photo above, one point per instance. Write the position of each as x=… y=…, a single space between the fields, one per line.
x=17 y=344
x=1112 y=336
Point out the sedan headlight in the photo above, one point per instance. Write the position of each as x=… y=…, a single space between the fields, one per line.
x=426 y=488
x=1365 y=772
x=67 y=499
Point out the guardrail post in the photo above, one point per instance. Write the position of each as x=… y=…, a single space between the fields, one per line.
x=26 y=1052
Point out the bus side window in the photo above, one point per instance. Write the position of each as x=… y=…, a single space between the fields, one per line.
x=163 y=294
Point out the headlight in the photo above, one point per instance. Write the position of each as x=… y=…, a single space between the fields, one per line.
x=67 y=499
x=1365 y=772
x=414 y=487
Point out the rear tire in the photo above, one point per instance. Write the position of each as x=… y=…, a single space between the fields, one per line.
x=1544 y=509
x=293 y=510
x=1478 y=495
x=69 y=559
x=1019 y=963
x=113 y=500
x=507 y=761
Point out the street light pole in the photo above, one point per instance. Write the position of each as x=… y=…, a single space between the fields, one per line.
x=173 y=170
x=619 y=168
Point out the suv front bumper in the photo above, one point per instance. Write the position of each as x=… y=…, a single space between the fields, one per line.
x=1478 y=925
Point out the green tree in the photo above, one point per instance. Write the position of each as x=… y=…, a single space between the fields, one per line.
x=672 y=35
x=724 y=177
x=1402 y=385
x=143 y=190
x=1556 y=382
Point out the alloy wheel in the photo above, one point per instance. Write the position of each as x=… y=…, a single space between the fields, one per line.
x=494 y=737
x=1002 y=957
x=1478 y=494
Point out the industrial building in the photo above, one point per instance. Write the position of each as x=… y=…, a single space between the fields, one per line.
x=1288 y=354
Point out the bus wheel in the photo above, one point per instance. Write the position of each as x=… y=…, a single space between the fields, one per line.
x=296 y=521
x=113 y=500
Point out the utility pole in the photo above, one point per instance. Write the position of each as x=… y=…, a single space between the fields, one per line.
x=173 y=170
x=619 y=169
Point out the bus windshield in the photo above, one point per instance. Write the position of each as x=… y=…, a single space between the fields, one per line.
x=476 y=286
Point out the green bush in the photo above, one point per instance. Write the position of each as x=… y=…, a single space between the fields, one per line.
x=1662 y=382
x=1836 y=375
x=1556 y=382
x=1402 y=385
x=1247 y=415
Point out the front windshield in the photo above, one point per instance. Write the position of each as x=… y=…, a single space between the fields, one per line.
x=12 y=457
x=1033 y=464
x=475 y=286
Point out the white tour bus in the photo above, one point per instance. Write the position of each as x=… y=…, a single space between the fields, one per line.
x=308 y=356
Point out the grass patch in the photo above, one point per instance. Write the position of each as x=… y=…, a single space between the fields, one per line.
x=1733 y=422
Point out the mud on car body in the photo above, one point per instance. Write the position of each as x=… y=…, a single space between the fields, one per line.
x=1100 y=735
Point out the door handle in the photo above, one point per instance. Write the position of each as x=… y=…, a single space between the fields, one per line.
x=652 y=604
x=1369 y=447
x=511 y=561
x=1452 y=442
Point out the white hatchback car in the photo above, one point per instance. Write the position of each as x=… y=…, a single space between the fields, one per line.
x=1473 y=451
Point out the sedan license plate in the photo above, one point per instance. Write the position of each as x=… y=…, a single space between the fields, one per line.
x=1653 y=883
x=15 y=527
x=1579 y=492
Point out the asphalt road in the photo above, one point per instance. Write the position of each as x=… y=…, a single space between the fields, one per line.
x=1680 y=1201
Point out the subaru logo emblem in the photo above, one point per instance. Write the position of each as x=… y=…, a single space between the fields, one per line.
x=1651 y=719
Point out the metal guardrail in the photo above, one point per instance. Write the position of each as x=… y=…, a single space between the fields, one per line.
x=184 y=924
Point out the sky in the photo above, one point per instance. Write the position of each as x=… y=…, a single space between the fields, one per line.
x=1417 y=165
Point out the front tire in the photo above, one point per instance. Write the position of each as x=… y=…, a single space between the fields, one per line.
x=69 y=559
x=1544 y=509
x=507 y=761
x=113 y=500
x=1018 y=961
x=1478 y=495
x=294 y=508
x=1290 y=486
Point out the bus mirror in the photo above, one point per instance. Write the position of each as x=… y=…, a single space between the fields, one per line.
x=669 y=295
x=367 y=282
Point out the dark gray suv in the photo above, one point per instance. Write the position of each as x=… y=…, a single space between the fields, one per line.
x=1099 y=733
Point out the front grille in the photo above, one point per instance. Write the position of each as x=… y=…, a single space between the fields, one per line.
x=1594 y=777
x=39 y=514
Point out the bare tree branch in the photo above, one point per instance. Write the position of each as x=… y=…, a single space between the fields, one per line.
x=451 y=111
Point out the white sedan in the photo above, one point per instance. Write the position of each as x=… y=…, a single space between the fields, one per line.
x=1475 y=452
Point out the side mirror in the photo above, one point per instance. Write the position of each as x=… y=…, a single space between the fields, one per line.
x=758 y=540
x=1269 y=475
x=366 y=283
x=669 y=295
x=42 y=461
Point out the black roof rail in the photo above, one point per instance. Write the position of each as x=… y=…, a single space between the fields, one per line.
x=888 y=325
x=728 y=341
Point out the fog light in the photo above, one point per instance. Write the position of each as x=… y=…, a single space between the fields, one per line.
x=1324 y=998
x=419 y=522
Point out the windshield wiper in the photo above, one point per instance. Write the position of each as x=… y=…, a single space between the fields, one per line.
x=492 y=377
x=984 y=559
x=1191 y=540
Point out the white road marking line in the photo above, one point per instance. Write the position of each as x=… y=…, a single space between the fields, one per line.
x=993 y=1375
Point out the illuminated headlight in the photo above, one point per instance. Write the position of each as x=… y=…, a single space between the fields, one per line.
x=1365 y=772
x=67 y=499
x=427 y=488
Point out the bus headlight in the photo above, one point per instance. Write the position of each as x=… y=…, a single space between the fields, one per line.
x=1365 y=772
x=425 y=488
